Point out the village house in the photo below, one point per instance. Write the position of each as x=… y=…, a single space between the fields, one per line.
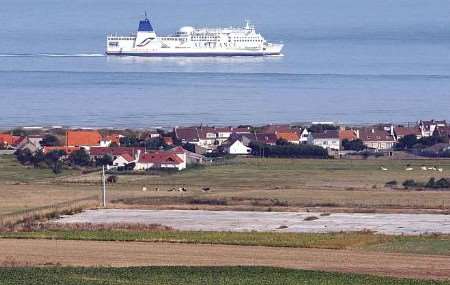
x=83 y=138
x=123 y=160
x=428 y=128
x=347 y=134
x=99 y=152
x=289 y=136
x=159 y=159
x=66 y=149
x=206 y=137
x=31 y=143
x=188 y=156
x=328 y=139
x=263 y=138
x=376 y=139
x=235 y=147
x=400 y=132
x=113 y=139
x=304 y=134
x=9 y=141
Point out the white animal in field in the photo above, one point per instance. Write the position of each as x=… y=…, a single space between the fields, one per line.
x=440 y=169
x=424 y=168
x=144 y=188
x=384 y=168
x=409 y=169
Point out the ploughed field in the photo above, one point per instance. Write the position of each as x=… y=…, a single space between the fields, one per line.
x=241 y=184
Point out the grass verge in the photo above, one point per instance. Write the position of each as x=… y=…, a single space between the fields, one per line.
x=299 y=240
x=190 y=275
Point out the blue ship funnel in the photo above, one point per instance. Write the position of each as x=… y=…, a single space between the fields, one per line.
x=145 y=26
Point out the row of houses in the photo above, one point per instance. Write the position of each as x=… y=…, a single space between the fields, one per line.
x=98 y=146
x=232 y=140
x=237 y=140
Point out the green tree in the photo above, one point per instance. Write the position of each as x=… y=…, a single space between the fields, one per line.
x=53 y=160
x=80 y=157
x=356 y=145
x=50 y=140
x=407 y=142
x=24 y=156
x=37 y=158
x=105 y=160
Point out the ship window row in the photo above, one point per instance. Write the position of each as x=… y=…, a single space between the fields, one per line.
x=121 y=38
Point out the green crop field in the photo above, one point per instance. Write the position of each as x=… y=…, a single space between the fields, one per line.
x=189 y=275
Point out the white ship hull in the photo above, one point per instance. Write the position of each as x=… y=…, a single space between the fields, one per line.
x=191 y=42
x=188 y=52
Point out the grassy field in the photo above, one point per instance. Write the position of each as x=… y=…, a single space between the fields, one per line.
x=11 y=171
x=429 y=244
x=303 y=240
x=262 y=184
x=189 y=275
x=297 y=183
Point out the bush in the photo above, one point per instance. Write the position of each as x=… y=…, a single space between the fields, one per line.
x=80 y=158
x=409 y=183
x=391 y=183
x=406 y=142
x=442 y=183
x=356 y=145
x=50 y=140
x=288 y=151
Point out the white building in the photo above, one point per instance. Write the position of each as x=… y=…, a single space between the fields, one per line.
x=329 y=139
x=237 y=147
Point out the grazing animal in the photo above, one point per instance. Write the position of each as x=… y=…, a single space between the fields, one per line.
x=156 y=189
x=171 y=189
x=205 y=189
x=424 y=168
x=384 y=168
x=144 y=188
x=440 y=169
x=409 y=169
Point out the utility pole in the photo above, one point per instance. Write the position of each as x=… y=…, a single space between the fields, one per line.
x=104 y=186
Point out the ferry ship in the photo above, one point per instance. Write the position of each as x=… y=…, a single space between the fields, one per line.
x=190 y=41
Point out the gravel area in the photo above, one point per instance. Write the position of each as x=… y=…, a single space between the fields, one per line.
x=198 y=220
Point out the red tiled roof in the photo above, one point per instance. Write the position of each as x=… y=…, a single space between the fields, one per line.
x=113 y=138
x=7 y=139
x=187 y=134
x=404 y=131
x=127 y=157
x=275 y=128
x=290 y=136
x=266 y=138
x=375 y=135
x=327 y=134
x=160 y=158
x=347 y=135
x=83 y=138
x=114 y=151
x=67 y=150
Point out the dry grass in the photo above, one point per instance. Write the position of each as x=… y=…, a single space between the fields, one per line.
x=264 y=184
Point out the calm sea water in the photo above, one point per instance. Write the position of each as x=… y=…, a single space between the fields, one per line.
x=346 y=61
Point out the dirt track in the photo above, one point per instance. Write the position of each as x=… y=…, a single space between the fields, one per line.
x=96 y=253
